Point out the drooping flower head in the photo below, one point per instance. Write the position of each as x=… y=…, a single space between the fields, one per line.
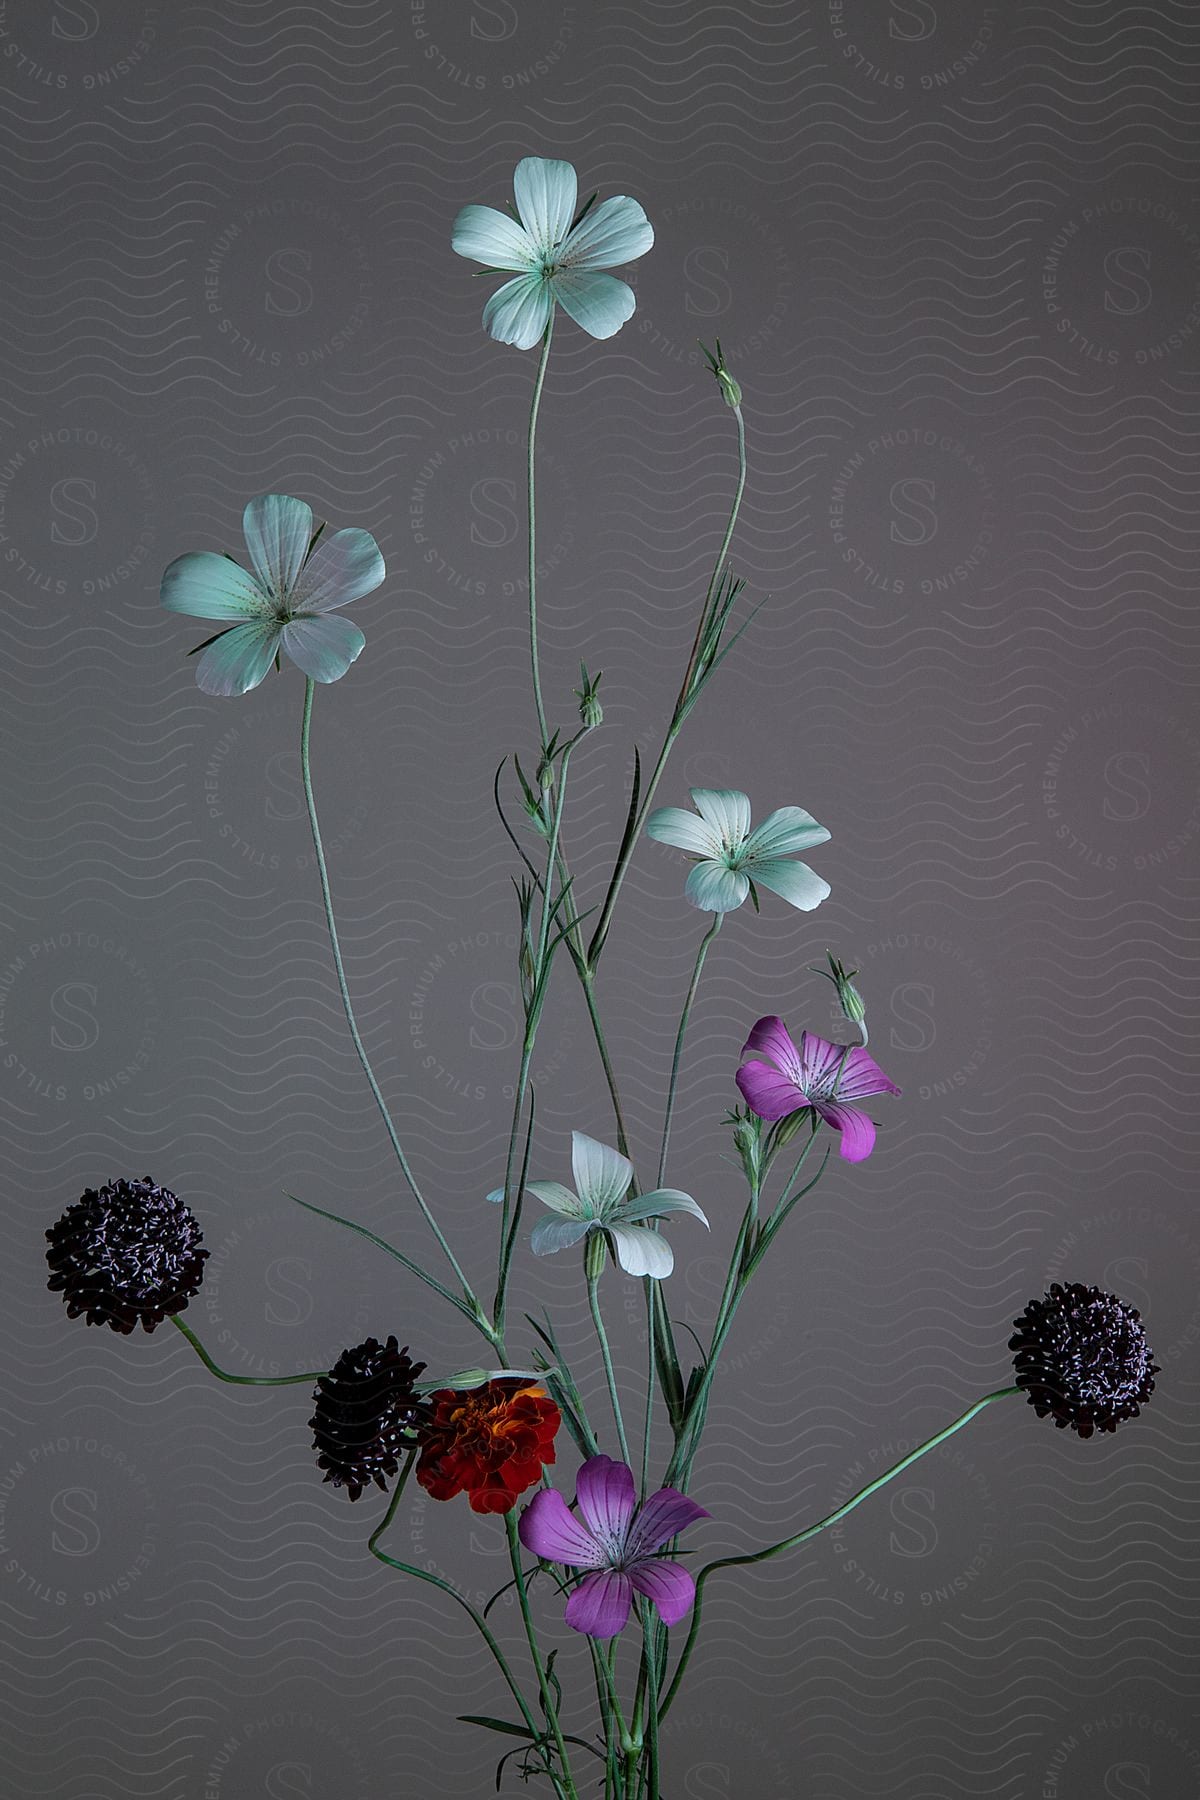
x=367 y=1413
x=126 y=1253
x=616 y=1540
x=819 y=1074
x=553 y=259
x=730 y=857
x=1082 y=1355
x=490 y=1442
x=299 y=578
x=602 y=1180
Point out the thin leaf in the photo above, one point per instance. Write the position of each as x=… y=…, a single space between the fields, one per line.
x=623 y=849
x=412 y=1267
x=208 y=641
x=504 y=1725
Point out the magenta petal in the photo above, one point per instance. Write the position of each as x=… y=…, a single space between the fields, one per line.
x=549 y=1529
x=663 y=1515
x=819 y=1060
x=607 y=1499
x=668 y=1585
x=861 y=1075
x=771 y=1037
x=767 y=1093
x=600 y=1604
x=858 y=1132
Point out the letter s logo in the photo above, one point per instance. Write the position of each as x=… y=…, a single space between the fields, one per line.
x=912 y=502
x=289 y=270
x=289 y=1781
x=283 y=774
x=907 y=1010
x=494 y=1004
x=1127 y=1781
x=502 y=15
x=920 y=17
x=81 y=1027
x=75 y=1510
x=912 y=1510
x=69 y=499
x=288 y=1279
x=83 y=14
x=704 y=270
x=1133 y=294
x=1123 y=774
x=495 y=523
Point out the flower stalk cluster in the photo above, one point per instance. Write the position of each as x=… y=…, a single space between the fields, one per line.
x=131 y=1252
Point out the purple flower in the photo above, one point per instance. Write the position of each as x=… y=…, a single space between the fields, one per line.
x=819 y=1074
x=616 y=1539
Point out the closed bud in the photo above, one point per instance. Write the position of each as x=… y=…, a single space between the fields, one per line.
x=849 y=999
x=591 y=713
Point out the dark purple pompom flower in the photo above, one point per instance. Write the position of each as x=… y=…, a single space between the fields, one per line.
x=124 y=1253
x=1082 y=1355
x=367 y=1412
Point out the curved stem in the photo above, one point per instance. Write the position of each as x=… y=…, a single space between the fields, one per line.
x=706 y=940
x=309 y=686
x=593 y=1283
x=533 y=636
x=241 y=1380
x=810 y=1531
x=548 y=1705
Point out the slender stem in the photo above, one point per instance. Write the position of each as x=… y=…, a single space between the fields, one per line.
x=593 y=1283
x=810 y=1531
x=309 y=688
x=241 y=1380
x=648 y=1653
x=646 y=1428
x=548 y=1705
x=533 y=636
x=705 y=941
x=589 y=994
x=469 y=1312
x=473 y=1613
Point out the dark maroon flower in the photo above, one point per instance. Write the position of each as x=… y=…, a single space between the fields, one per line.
x=1082 y=1355
x=126 y=1252
x=366 y=1415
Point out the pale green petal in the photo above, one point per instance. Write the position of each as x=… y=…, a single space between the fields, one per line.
x=658 y=1204
x=491 y=237
x=641 y=1251
x=557 y=1197
x=602 y=1174
x=519 y=312
x=545 y=192
x=342 y=568
x=672 y=825
x=278 y=530
x=549 y=1235
x=324 y=648
x=208 y=586
x=600 y=303
x=239 y=659
x=794 y=880
x=615 y=232
x=714 y=887
x=784 y=832
x=727 y=811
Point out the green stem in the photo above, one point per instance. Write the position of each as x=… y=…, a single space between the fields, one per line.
x=648 y=1653
x=706 y=940
x=810 y=1531
x=309 y=688
x=548 y=1705
x=469 y=1312
x=593 y=1283
x=241 y=1380
x=533 y=637
x=589 y=995
x=649 y=1420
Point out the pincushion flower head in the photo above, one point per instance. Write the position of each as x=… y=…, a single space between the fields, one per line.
x=552 y=259
x=616 y=1541
x=299 y=577
x=731 y=858
x=367 y=1411
x=1082 y=1355
x=818 y=1074
x=489 y=1442
x=602 y=1180
x=126 y=1253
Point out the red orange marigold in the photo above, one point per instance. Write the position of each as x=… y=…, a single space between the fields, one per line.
x=489 y=1442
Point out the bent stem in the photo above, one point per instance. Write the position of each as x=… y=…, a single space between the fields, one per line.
x=810 y=1531
x=241 y=1380
x=705 y=941
x=309 y=686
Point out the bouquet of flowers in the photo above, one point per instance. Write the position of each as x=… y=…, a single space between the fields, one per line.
x=592 y=1536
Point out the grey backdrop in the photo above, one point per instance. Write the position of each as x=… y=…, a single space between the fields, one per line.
x=952 y=252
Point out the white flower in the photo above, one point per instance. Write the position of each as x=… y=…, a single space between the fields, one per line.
x=555 y=263
x=731 y=856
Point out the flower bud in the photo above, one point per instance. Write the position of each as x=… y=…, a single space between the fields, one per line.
x=849 y=999
x=591 y=712
x=747 y=1141
x=731 y=390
